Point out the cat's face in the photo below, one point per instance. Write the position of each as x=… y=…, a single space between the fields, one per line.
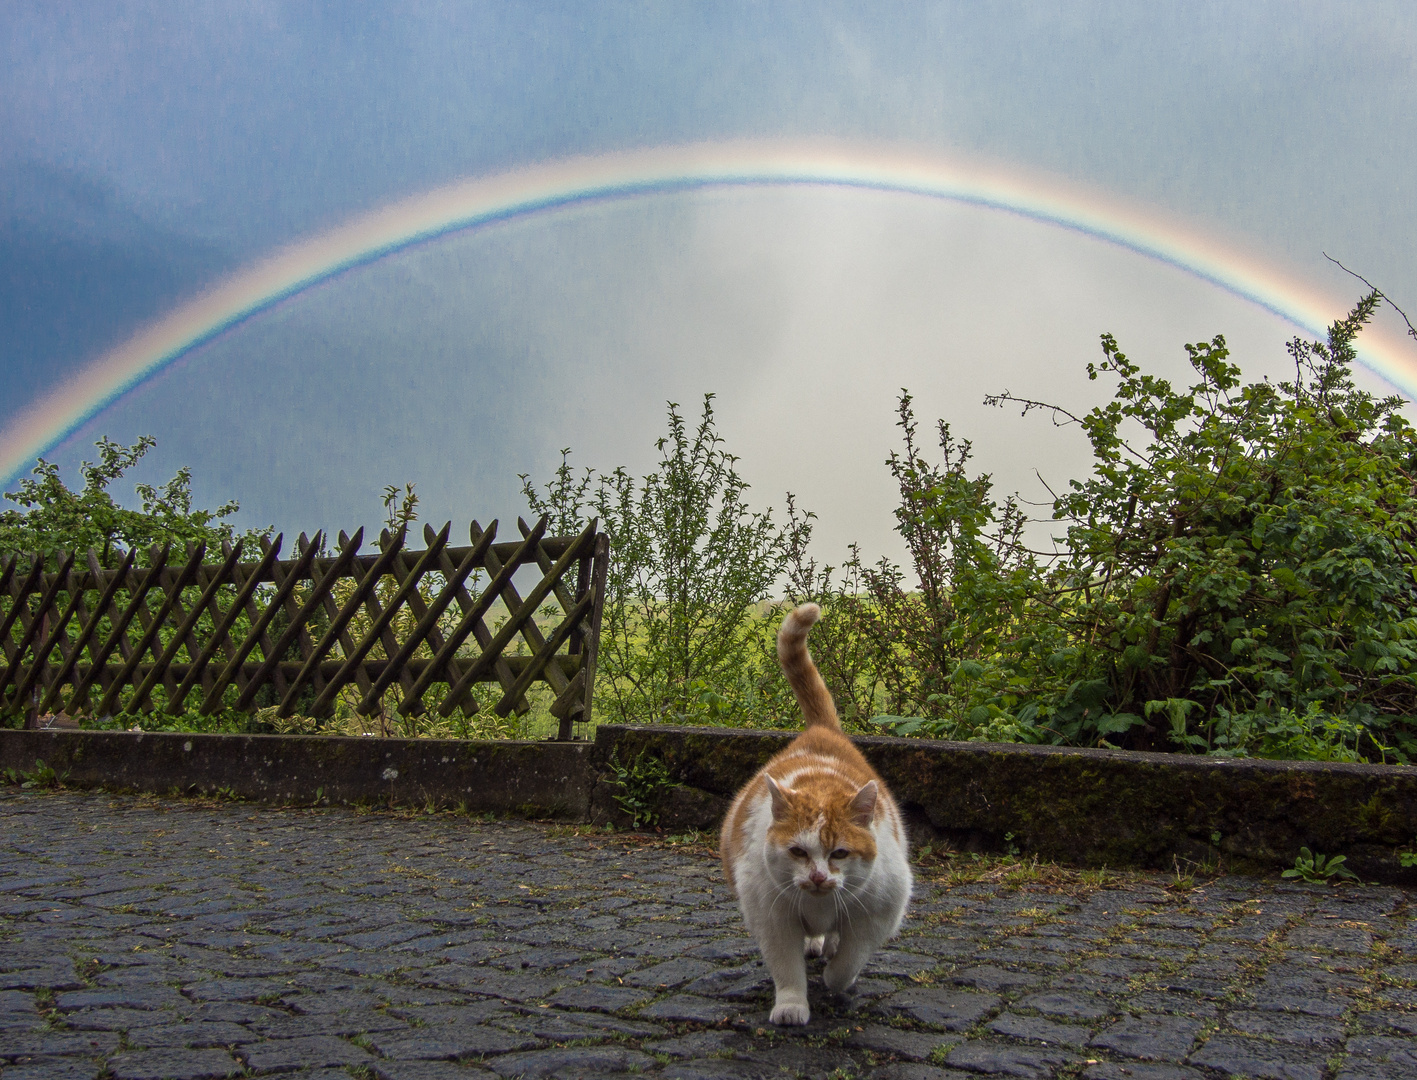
x=821 y=834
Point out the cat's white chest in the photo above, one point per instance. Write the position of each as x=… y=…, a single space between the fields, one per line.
x=819 y=915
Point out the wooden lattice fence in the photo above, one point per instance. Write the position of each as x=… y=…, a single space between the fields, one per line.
x=186 y=630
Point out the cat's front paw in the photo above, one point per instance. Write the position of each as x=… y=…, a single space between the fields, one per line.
x=815 y=946
x=790 y=1013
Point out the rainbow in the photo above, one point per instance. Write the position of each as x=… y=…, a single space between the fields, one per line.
x=671 y=169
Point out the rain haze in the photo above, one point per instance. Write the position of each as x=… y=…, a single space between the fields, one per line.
x=149 y=151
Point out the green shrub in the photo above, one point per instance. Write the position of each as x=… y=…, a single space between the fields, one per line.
x=1239 y=579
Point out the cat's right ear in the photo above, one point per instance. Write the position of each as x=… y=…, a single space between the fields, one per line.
x=780 y=804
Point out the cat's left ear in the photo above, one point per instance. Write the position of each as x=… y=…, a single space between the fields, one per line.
x=863 y=806
x=780 y=805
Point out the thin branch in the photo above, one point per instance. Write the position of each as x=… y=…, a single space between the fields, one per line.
x=1411 y=330
x=1046 y=486
x=998 y=400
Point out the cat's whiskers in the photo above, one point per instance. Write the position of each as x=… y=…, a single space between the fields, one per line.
x=841 y=909
x=784 y=890
x=847 y=894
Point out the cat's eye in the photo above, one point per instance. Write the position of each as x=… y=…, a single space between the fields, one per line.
x=839 y=853
x=797 y=852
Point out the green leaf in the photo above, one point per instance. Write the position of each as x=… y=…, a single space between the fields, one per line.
x=1117 y=722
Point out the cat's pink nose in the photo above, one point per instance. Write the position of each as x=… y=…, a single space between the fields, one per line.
x=817 y=877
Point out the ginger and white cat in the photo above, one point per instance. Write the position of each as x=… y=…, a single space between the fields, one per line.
x=814 y=845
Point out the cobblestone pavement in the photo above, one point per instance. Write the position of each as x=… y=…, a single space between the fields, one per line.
x=145 y=939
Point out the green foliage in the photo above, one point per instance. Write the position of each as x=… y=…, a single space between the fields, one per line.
x=951 y=646
x=400 y=506
x=55 y=518
x=691 y=564
x=1236 y=575
x=41 y=776
x=641 y=783
x=1317 y=869
x=1254 y=558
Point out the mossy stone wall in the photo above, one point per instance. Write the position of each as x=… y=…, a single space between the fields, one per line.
x=534 y=779
x=1086 y=807
x=1095 y=807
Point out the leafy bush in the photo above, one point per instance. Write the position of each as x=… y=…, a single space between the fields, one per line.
x=55 y=518
x=1236 y=574
x=691 y=567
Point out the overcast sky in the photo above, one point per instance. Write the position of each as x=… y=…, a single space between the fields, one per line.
x=147 y=150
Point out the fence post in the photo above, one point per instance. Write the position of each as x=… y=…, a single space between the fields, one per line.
x=592 y=643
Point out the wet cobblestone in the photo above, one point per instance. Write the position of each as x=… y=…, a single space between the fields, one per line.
x=146 y=939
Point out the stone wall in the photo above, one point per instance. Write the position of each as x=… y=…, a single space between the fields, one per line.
x=1086 y=807
x=533 y=779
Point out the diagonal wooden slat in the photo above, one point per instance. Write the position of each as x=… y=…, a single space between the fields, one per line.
x=430 y=559
x=137 y=594
x=291 y=605
x=7 y=574
x=86 y=632
x=421 y=612
x=253 y=615
x=542 y=658
x=183 y=638
x=160 y=669
x=390 y=547
x=221 y=633
x=65 y=647
x=149 y=637
x=570 y=703
x=529 y=630
x=471 y=623
x=407 y=593
x=195 y=641
x=506 y=591
x=427 y=628
x=446 y=667
x=300 y=617
x=145 y=617
x=35 y=627
x=79 y=587
x=545 y=562
x=19 y=612
x=336 y=633
x=584 y=569
x=517 y=622
x=57 y=632
x=351 y=670
x=385 y=639
x=257 y=633
x=451 y=670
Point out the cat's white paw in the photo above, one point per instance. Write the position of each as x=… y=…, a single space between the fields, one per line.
x=788 y=1014
x=816 y=946
x=830 y=942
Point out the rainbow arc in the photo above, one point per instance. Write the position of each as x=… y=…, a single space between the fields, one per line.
x=473 y=203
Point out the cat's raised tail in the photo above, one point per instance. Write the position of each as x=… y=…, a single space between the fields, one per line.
x=818 y=709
